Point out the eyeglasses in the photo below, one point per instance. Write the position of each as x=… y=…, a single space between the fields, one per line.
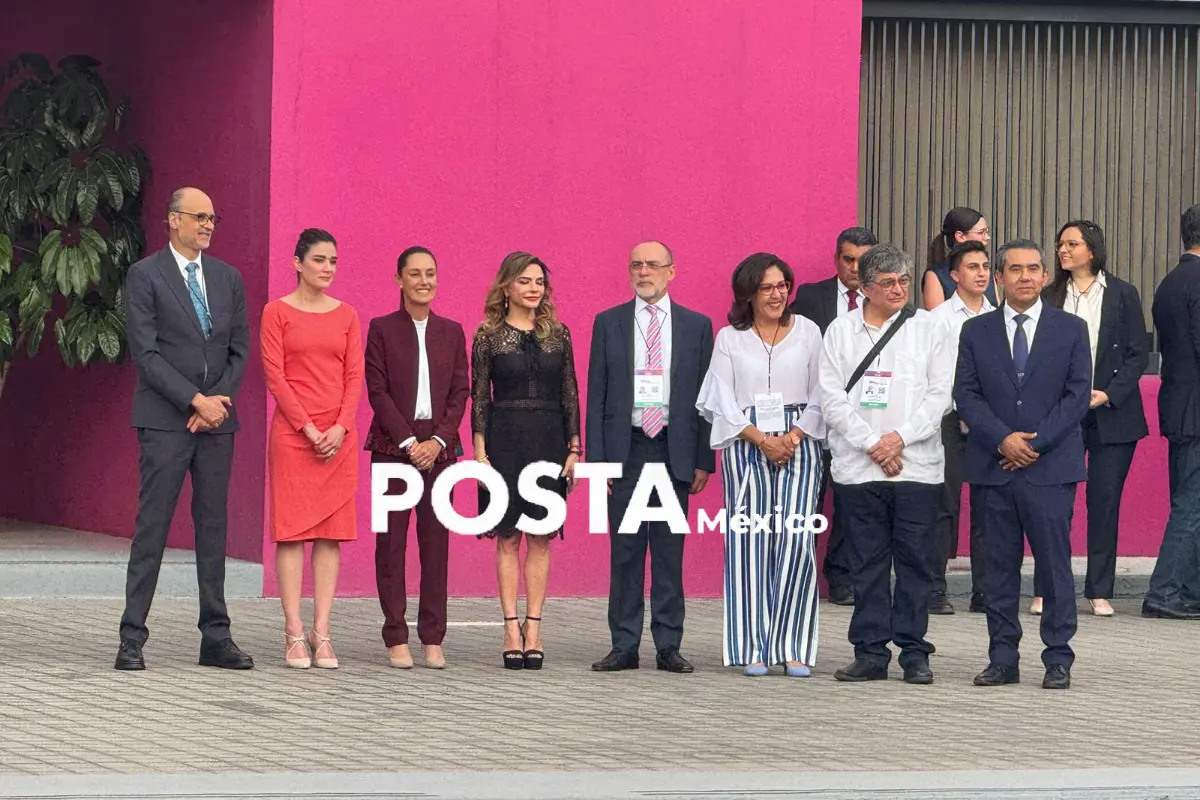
x=1068 y=245
x=903 y=281
x=768 y=289
x=202 y=218
x=981 y=232
x=653 y=266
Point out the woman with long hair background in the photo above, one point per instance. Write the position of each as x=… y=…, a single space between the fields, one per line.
x=960 y=225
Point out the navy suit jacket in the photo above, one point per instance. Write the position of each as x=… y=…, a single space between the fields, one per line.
x=610 y=390
x=1051 y=402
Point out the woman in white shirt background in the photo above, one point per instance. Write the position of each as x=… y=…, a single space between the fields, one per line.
x=1083 y=286
x=761 y=395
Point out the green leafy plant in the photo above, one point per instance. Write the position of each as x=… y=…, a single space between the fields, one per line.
x=70 y=210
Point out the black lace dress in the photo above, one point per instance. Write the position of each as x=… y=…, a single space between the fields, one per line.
x=525 y=402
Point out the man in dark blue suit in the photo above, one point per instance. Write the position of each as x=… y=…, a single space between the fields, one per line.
x=1023 y=386
x=655 y=348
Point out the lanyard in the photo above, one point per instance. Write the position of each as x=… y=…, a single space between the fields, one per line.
x=770 y=350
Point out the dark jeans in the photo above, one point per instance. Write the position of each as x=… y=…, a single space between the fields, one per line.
x=893 y=525
x=838 y=557
x=1176 y=577
x=954 y=443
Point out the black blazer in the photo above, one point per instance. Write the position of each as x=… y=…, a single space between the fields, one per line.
x=1051 y=402
x=1121 y=358
x=1176 y=313
x=610 y=389
x=168 y=346
x=817 y=301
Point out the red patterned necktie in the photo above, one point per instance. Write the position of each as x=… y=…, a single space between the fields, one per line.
x=652 y=418
x=852 y=296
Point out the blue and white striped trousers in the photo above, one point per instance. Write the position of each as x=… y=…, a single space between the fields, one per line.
x=770 y=577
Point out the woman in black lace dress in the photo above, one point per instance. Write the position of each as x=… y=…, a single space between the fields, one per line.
x=525 y=409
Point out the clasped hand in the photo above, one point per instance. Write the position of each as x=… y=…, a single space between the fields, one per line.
x=424 y=454
x=780 y=449
x=325 y=444
x=210 y=412
x=1015 y=451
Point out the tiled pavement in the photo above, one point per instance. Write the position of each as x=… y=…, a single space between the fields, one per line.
x=63 y=709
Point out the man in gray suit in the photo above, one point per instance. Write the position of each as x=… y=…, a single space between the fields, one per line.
x=189 y=338
x=655 y=348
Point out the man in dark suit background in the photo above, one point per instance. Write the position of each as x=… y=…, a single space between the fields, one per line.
x=823 y=302
x=1174 y=591
x=1023 y=386
x=189 y=339
x=669 y=347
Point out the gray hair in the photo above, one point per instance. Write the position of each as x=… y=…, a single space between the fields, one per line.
x=176 y=201
x=883 y=259
x=1017 y=244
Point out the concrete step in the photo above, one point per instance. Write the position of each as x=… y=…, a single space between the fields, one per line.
x=47 y=561
x=1133 y=576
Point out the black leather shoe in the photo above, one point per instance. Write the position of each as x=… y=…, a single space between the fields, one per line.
x=1159 y=611
x=129 y=656
x=671 y=661
x=996 y=675
x=224 y=654
x=938 y=604
x=615 y=662
x=976 y=606
x=861 y=671
x=1057 y=677
x=841 y=595
x=918 y=673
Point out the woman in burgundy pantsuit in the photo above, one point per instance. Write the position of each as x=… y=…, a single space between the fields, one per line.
x=416 y=369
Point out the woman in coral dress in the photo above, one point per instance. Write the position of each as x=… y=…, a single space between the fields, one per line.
x=313 y=359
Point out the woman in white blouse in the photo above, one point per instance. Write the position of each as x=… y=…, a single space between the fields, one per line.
x=1116 y=421
x=761 y=395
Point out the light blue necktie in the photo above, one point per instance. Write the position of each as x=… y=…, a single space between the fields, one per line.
x=198 y=300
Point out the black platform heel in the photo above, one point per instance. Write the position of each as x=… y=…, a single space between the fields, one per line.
x=514 y=659
x=533 y=658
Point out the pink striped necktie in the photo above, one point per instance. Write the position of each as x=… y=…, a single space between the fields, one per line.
x=652 y=418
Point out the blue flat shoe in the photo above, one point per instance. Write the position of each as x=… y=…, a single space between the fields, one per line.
x=800 y=671
x=756 y=670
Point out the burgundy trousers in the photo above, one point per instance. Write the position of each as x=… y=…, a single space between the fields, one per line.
x=433 y=545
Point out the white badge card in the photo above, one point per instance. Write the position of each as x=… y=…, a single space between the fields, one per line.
x=768 y=412
x=648 y=388
x=876 y=386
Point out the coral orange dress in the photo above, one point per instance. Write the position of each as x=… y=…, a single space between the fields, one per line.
x=314 y=368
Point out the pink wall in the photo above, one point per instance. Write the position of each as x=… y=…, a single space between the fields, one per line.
x=202 y=120
x=481 y=127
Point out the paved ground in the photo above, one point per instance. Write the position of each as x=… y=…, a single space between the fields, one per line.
x=64 y=710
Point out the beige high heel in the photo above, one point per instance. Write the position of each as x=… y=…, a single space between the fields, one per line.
x=1105 y=610
x=303 y=662
x=321 y=641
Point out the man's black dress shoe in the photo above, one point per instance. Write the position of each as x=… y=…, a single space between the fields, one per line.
x=996 y=675
x=615 y=662
x=918 y=673
x=671 y=661
x=976 y=606
x=841 y=595
x=1159 y=611
x=224 y=654
x=861 y=671
x=938 y=604
x=129 y=656
x=1057 y=677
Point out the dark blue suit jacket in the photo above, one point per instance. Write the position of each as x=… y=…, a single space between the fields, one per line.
x=610 y=390
x=1051 y=402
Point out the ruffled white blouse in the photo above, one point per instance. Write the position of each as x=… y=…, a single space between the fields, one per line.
x=739 y=370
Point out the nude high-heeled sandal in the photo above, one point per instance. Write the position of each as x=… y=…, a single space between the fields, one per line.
x=321 y=641
x=290 y=644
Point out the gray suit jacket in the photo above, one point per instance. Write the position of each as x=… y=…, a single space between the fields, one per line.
x=174 y=361
x=610 y=389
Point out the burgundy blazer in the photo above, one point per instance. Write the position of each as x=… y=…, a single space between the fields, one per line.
x=392 y=363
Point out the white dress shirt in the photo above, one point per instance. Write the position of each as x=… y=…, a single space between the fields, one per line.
x=424 y=407
x=1030 y=327
x=843 y=306
x=918 y=358
x=953 y=314
x=183 y=262
x=641 y=338
x=1088 y=306
x=738 y=371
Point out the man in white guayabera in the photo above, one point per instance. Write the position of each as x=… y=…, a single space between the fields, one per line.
x=886 y=377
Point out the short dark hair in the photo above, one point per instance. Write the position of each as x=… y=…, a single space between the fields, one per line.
x=960 y=250
x=859 y=237
x=310 y=237
x=1189 y=227
x=747 y=277
x=1018 y=244
x=408 y=253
